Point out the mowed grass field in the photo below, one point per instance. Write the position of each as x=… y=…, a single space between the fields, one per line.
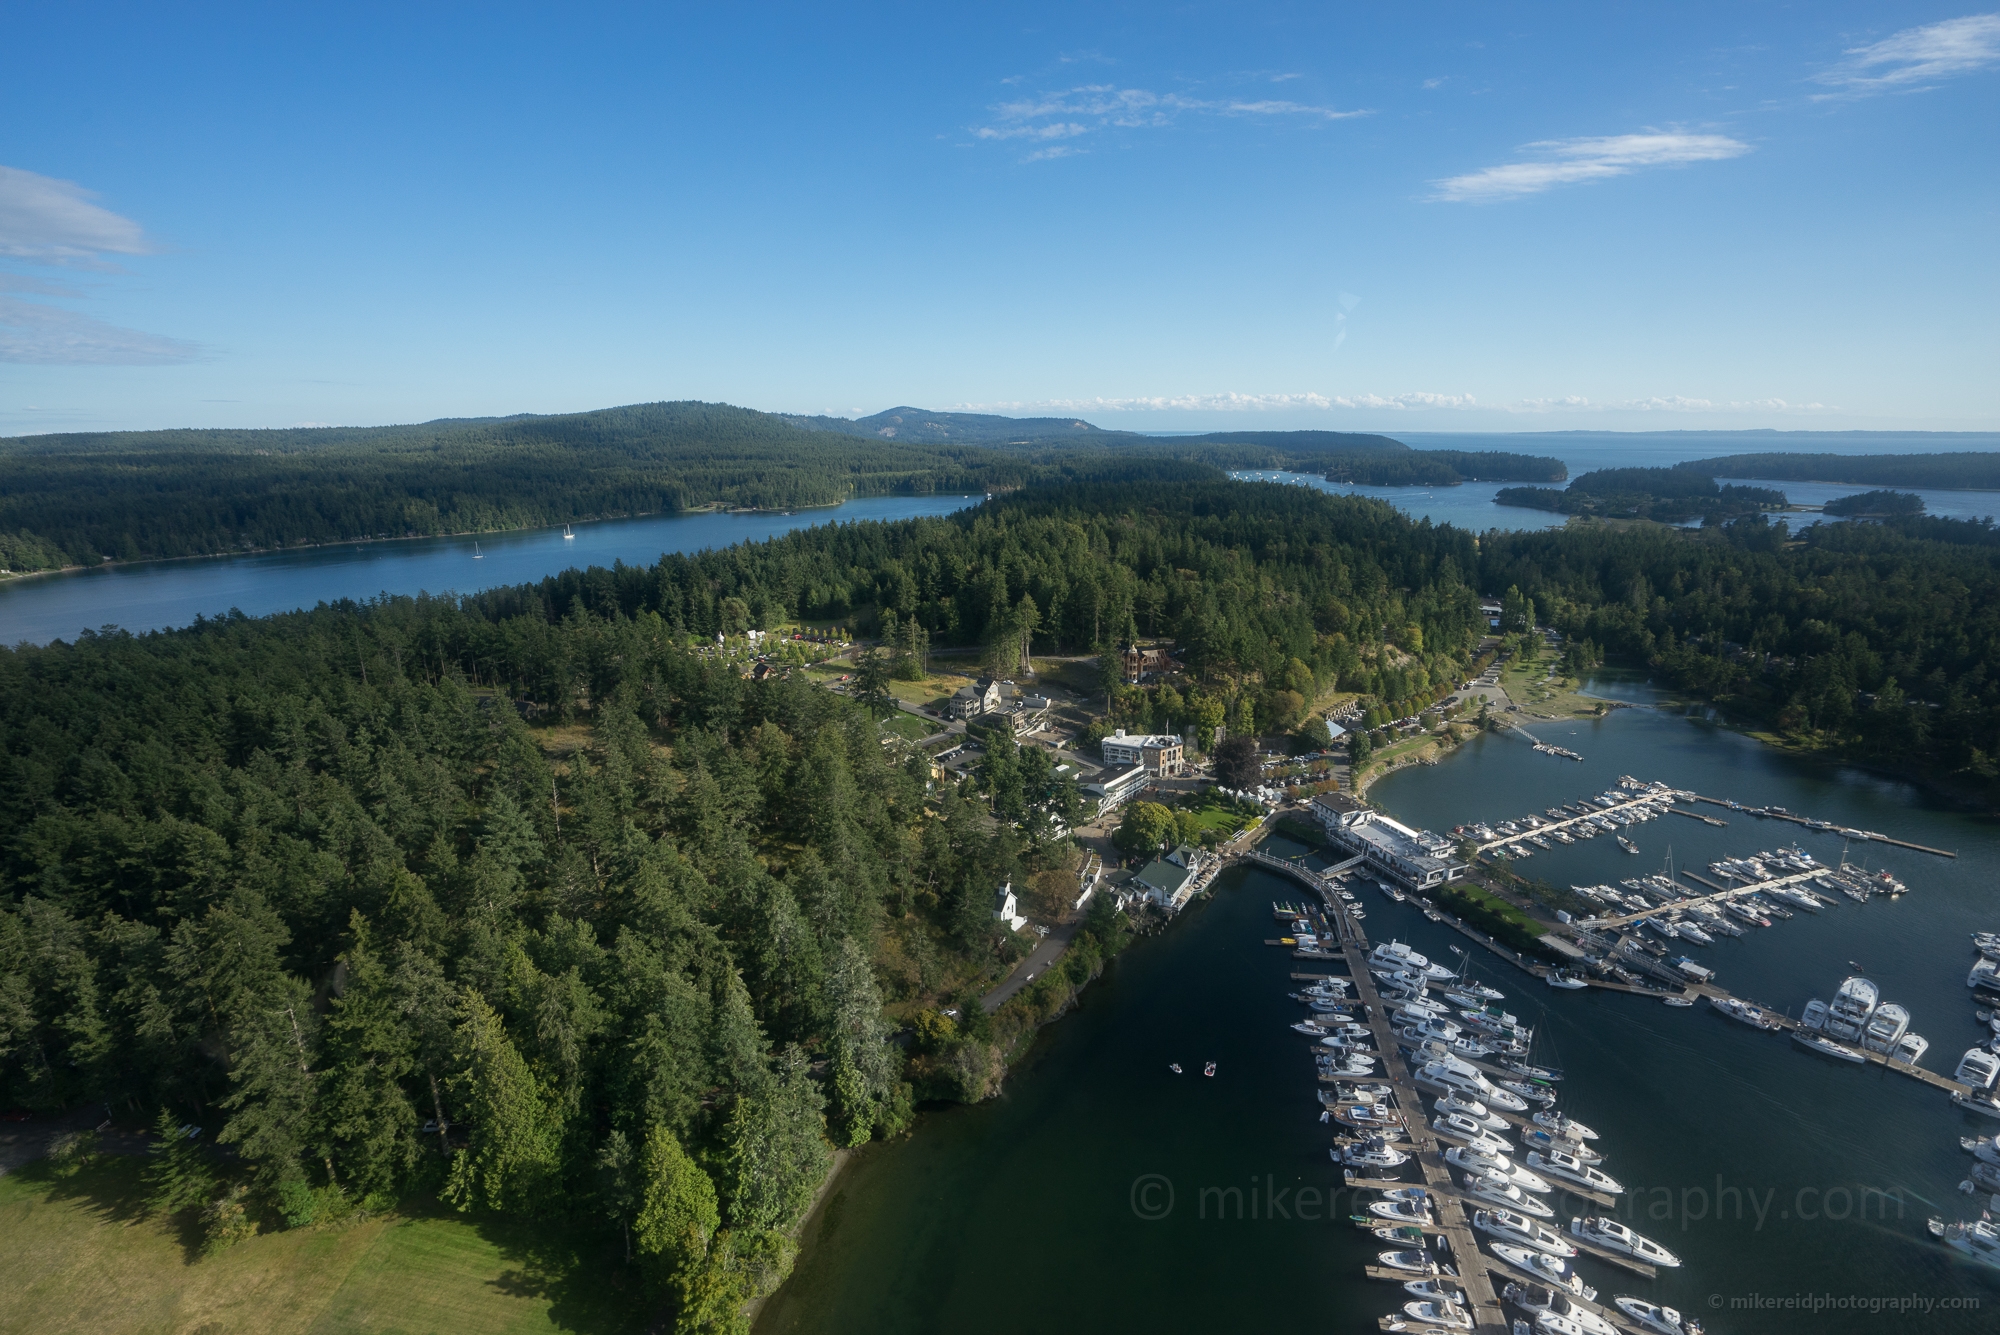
x=76 y=1254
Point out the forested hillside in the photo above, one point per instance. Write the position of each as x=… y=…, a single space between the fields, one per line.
x=78 y=499
x=1881 y=641
x=1970 y=470
x=526 y=901
x=86 y=498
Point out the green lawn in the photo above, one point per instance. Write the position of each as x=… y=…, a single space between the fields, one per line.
x=910 y=726
x=80 y=1256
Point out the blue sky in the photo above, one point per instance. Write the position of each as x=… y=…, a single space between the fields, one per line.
x=1437 y=217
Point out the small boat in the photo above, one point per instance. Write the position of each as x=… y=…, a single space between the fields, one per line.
x=1615 y=1237
x=1416 y=1261
x=1564 y=979
x=1658 y=1319
x=1528 y=1093
x=1627 y=844
x=1548 y=1269
x=1175 y=1067
x=1562 y=1125
x=1415 y=1213
x=1528 y=1072
x=1208 y=1069
x=1826 y=1047
x=1677 y=1002
x=567 y=535
x=477 y=555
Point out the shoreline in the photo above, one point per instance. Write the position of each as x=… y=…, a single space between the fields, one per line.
x=711 y=508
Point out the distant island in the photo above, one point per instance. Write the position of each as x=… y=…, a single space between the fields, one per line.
x=82 y=499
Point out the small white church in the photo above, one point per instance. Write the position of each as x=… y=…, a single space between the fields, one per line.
x=1007 y=909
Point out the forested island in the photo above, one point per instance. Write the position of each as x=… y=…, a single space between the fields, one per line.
x=84 y=499
x=528 y=904
x=1963 y=471
x=1667 y=495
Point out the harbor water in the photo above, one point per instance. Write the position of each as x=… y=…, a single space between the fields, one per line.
x=152 y=595
x=1795 y=1189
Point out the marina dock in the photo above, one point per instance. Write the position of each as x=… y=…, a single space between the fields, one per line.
x=1482 y=1295
x=1797 y=819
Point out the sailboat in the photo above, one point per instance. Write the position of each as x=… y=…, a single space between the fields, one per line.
x=477 y=555
x=567 y=535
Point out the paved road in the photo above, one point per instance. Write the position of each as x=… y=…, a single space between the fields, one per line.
x=1029 y=969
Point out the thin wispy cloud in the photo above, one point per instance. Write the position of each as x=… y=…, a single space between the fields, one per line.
x=1089 y=108
x=1558 y=162
x=47 y=221
x=55 y=223
x=38 y=335
x=1916 y=59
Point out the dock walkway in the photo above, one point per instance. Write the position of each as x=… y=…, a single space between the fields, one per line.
x=1453 y=1218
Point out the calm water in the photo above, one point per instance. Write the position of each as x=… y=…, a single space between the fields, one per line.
x=1021 y=1211
x=154 y=595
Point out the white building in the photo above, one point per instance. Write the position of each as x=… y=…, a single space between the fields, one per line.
x=1007 y=909
x=1159 y=752
x=1416 y=859
x=1117 y=783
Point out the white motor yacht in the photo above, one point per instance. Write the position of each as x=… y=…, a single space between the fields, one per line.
x=1448 y=1072
x=1416 y=1261
x=1549 y=1303
x=1977 y=1068
x=1521 y=1231
x=1562 y=978
x=1852 y=1007
x=1885 y=1028
x=1374 y=1153
x=1615 y=1237
x=1494 y=1189
x=1986 y=1149
x=1441 y=1290
x=1472 y=1159
x=1980 y=1239
x=1557 y=1163
x=1563 y=1125
x=1660 y=1320
x=1454 y=1102
x=1460 y=1127
x=1414 y=1213
x=1438 y=1316
x=1550 y=1270
x=1985 y=974
x=1911 y=1049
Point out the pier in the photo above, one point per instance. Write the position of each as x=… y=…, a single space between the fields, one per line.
x=1550 y=825
x=1454 y=1219
x=1796 y=819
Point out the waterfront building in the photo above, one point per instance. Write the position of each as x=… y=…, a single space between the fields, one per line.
x=1159 y=752
x=1116 y=783
x=1416 y=859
